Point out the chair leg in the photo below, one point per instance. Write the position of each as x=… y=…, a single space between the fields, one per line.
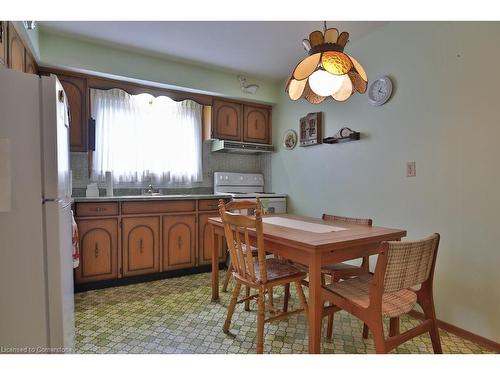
x=260 y=321
x=247 y=302
x=394 y=326
x=232 y=304
x=365 y=331
x=286 y=297
x=436 y=342
x=377 y=329
x=427 y=304
x=302 y=297
x=227 y=277
x=329 y=327
x=271 y=297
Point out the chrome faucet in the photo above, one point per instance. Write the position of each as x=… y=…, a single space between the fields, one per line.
x=149 y=190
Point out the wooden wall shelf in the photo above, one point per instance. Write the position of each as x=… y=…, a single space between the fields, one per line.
x=343 y=135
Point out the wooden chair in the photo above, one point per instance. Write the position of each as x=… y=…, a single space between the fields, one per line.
x=238 y=207
x=389 y=292
x=340 y=271
x=256 y=272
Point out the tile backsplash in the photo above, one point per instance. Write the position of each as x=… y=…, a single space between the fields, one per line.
x=212 y=162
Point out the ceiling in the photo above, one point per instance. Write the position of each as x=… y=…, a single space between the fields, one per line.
x=267 y=49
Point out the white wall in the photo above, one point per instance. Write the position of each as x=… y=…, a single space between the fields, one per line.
x=445 y=115
x=68 y=52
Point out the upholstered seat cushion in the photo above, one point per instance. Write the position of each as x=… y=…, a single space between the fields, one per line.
x=357 y=290
x=278 y=269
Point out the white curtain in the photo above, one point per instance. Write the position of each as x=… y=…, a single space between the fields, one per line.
x=139 y=137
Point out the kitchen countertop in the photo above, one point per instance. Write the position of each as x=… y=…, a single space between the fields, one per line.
x=149 y=197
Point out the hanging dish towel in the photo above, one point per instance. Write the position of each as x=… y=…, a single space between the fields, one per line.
x=76 y=241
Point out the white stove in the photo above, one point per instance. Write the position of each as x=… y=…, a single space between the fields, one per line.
x=249 y=186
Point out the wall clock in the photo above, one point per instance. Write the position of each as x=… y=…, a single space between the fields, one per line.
x=380 y=91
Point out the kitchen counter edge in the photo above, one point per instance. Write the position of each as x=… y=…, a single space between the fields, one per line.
x=129 y=198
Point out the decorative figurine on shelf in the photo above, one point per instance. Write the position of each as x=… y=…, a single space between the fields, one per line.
x=344 y=134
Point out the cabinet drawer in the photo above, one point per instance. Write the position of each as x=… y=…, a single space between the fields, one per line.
x=97 y=209
x=209 y=204
x=158 y=207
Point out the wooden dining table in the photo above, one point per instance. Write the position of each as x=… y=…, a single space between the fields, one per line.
x=306 y=240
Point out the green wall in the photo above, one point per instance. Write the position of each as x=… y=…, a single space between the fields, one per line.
x=73 y=53
x=444 y=115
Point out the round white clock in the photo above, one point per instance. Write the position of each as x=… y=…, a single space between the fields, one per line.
x=380 y=91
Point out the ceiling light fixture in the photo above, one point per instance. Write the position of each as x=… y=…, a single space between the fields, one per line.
x=327 y=71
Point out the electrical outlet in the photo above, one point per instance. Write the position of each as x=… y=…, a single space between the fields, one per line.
x=411 y=169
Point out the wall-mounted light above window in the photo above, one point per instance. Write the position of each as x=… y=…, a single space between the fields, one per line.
x=327 y=71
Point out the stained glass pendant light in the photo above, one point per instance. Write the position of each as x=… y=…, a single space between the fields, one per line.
x=327 y=71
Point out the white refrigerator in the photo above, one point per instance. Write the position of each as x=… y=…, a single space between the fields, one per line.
x=36 y=268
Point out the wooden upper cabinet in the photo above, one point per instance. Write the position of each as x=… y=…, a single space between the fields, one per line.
x=226 y=120
x=16 y=50
x=179 y=241
x=3 y=43
x=205 y=240
x=76 y=92
x=98 y=250
x=30 y=67
x=140 y=245
x=256 y=125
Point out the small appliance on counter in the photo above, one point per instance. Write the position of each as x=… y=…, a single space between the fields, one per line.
x=109 y=184
x=92 y=190
x=248 y=187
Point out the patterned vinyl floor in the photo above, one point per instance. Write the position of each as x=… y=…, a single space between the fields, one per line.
x=176 y=316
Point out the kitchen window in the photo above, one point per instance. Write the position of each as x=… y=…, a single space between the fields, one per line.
x=145 y=138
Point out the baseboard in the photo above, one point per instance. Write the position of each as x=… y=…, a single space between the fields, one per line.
x=143 y=278
x=460 y=332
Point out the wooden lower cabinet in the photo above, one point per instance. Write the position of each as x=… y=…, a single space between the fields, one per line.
x=117 y=241
x=179 y=241
x=140 y=245
x=205 y=240
x=98 y=250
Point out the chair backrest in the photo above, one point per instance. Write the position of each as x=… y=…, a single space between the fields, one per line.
x=236 y=231
x=408 y=263
x=345 y=219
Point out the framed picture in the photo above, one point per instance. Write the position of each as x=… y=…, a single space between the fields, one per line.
x=310 y=129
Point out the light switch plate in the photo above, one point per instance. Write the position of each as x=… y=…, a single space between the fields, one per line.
x=411 y=169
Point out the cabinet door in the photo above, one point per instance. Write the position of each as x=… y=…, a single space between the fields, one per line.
x=179 y=241
x=256 y=127
x=98 y=250
x=31 y=66
x=3 y=42
x=140 y=245
x=76 y=91
x=205 y=240
x=226 y=120
x=16 y=50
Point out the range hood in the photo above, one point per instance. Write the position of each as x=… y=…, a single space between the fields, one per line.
x=235 y=147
